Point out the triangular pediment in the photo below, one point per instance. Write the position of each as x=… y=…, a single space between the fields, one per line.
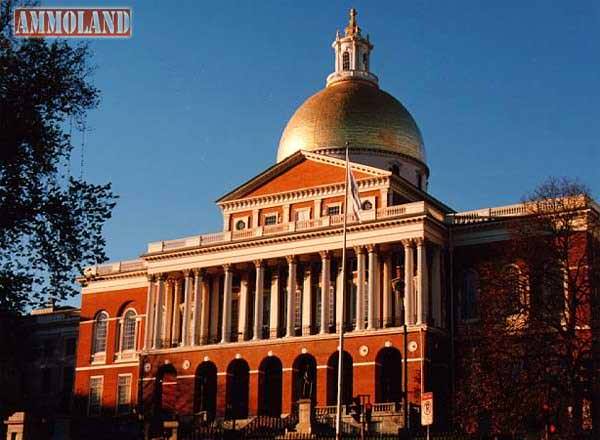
x=302 y=170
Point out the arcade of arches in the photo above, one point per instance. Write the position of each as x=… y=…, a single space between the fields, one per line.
x=243 y=392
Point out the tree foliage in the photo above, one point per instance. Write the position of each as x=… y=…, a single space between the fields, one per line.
x=50 y=223
x=530 y=357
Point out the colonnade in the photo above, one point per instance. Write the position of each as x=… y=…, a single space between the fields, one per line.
x=272 y=299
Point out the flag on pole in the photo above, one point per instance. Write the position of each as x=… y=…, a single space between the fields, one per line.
x=353 y=195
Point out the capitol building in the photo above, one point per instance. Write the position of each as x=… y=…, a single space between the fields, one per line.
x=239 y=324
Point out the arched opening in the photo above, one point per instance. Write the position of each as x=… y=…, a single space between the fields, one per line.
x=304 y=378
x=388 y=375
x=99 y=334
x=346 y=61
x=332 y=377
x=269 y=387
x=164 y=397
x=238 y=377
x=205 y=390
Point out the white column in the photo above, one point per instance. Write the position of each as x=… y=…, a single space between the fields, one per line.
x=285 y=214
x=307 y=302
x=291 y=293
x=197 y=313
x=214 y=309
x=158 y=312
x=255 y=217
x=423 y=283
x=243 y=308
x=168 y=318
x=318 y=203
x=226 y=320
x=436 y=288
x=226 y=221
x=373 y=291
x=387 y=291
x=149 y=320
x=274 y=306
x=258 y=300
x=205 y=307
x=187 y=308
x=339 y=311
x=408 y=282
x=325 y=287
x=360 y=288
x=176 y=321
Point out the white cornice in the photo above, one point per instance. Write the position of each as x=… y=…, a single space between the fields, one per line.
x=304 y=194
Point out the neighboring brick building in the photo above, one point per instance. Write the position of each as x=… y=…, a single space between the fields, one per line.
x=46 y=371
x=235 y=324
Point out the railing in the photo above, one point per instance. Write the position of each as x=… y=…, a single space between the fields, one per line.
x=301 y=225
x=118 y=267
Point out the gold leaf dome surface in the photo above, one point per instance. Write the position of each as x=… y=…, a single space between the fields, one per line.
x=352 y=111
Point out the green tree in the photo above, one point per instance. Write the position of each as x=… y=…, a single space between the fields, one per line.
x=50 y=223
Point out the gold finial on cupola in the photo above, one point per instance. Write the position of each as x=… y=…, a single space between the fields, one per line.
x=352 y=28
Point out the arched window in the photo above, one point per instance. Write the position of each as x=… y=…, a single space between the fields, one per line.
x=346 y=61
x=470 y=296
x=99 y=336
x=128 y=331
x=516 y=289
x=366 y=61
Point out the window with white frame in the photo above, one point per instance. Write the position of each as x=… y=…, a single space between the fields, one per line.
x=346 y=61
x=128 y=331
x=270 y=219
x=95 y=395
x=302 y=214
x=334 y=209
x=99 y=336
x=124 y=394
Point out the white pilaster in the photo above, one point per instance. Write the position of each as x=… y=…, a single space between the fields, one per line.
x=168 y=319
x=325 y=288
x=205 y=309
x=373 y=290
x=387 y=292
x=158 y=312
x=307 y=302
x=149 y=321
x=258 y=300
x=226 y=320
x=408 y=282
x=243 y=308
x=274 y=306
x=360 y=288
x=176 y=319
x=187 y=309
x=291 y=294
x=198 y=305
x=423 y=283
x=340 y=314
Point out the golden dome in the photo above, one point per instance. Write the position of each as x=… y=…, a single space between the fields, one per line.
x=352 y=111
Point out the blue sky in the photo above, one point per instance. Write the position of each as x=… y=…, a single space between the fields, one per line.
x=505 y=93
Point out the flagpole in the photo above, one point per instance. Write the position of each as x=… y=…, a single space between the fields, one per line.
x=338 y=414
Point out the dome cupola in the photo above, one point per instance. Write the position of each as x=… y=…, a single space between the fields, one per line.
x=353 y=109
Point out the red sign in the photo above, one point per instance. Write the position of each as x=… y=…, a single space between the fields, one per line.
x=72 y=22
x=427 y=409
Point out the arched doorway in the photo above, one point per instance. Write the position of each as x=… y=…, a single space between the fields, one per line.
x=304 y=378
x=332 y=376
x=164 y=396
x=205 y=389
x=269 y=387
x=388 y=375
x=238 y=377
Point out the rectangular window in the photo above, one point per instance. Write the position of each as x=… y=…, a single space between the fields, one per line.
x=95 y=395
x=303 y=214
x=333 y=210
x=271 y=219
x=124 y=394
x=70 y=347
